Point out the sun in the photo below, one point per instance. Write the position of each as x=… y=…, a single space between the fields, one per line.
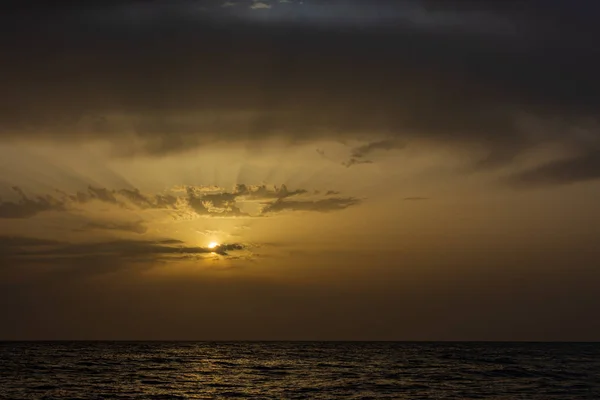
x=212 y=245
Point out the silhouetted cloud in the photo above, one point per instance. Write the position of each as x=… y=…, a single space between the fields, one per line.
x=27 y=207
x=226 y=248
x=324 y=205
x=358 y=153
x=182 y=202
x=262 y=192
x=355 y=161
x=48 y=251
x=222 y=203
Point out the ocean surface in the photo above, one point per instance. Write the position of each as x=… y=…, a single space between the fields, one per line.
x=298 y=370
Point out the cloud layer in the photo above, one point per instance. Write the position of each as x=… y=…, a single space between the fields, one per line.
x=161 y=77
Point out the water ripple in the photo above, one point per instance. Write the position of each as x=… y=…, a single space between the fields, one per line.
x=303 y=370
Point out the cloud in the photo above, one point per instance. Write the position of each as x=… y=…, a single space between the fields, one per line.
x=225 y=249
x=31 y=250
x=262 y=192
x=181 y=202
x=582 y=168
x=354 y=161
x=324 y=205
x=222 y=204
x=12 y=247
x=368 y=148
x=147 y=202
x=138 y=227
x=359 y=153
x=260 y=5
x=27 y=207
x=18 y=242
x=464 y=84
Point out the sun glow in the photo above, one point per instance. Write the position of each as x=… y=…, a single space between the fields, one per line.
x=212 y=245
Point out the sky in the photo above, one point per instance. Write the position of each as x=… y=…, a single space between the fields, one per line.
x=300 y=170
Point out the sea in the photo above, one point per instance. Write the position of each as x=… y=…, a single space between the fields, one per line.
x=299 y=370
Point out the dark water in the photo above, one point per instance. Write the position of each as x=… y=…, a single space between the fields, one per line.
x=305 y=370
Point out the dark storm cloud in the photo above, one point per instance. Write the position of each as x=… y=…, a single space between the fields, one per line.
x=205 y=201
x=175 y=75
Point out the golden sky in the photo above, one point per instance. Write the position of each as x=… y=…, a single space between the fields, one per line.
x=396 y=171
